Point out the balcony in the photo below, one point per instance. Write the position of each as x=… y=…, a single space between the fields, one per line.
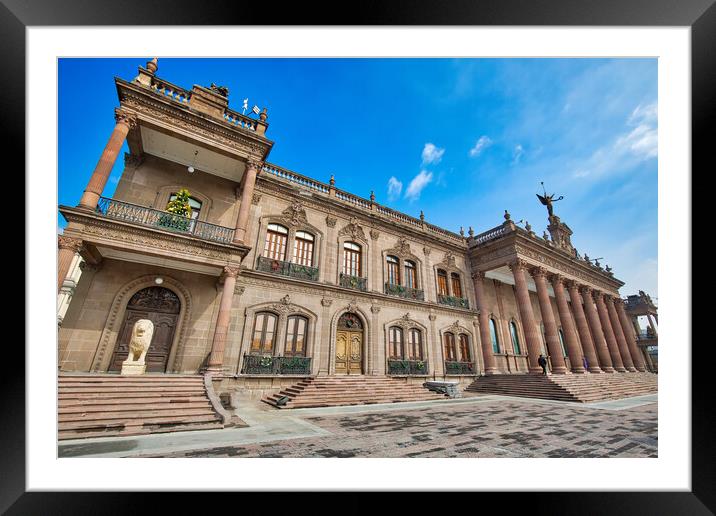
x=276 y=365
x=148 y=217
x=405 y=292
x=459 y=368
x=400 y=367
x=293 y=270
x=457 y=302
x=355 y=282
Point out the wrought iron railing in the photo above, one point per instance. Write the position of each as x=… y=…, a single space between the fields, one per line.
x=294 y=270
x=458 y=302
x=406 y=292
x=356 y=282
x=400 y=367
x=646 y=336
x=275 y=365
x=452 y=367
x=143 y=216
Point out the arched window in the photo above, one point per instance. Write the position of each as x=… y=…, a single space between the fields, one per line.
x=464 y=348
x=515 y=338
x=275 y=247
x=442 y=283
x=456 y=288
x=303 y=249
x=411 y=275
x=264 y=333
x=296 y=336
x=493 y=337
x=396 y=342
x=450 y=351
x=561 y=342
x=393 y=270
x=351 y=259
x=415 y=344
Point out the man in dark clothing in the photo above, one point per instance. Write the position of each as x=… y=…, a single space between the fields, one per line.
x=542 y=361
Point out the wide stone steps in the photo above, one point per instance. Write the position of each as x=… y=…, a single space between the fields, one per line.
x=338 y=391
x=112 y=405
x=572 y=387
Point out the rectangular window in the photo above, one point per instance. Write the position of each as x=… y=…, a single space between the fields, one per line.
x=415 y=347
x=275 y=247
x=303 y=252
x=411 y=276
x=393 y=271
x=464 y=348
x=351 y=262
x=442 y=283
x=456 y=290
x=396 y=343
x=450 y=354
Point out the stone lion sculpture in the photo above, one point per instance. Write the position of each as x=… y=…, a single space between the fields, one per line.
x=138 y=346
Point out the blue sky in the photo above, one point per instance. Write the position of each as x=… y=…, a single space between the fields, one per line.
x=460 y=139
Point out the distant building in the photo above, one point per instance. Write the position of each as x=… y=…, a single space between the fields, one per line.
x=648 y=338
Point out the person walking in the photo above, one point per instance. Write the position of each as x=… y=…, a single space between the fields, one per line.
x=542 y=361
x=585 y=362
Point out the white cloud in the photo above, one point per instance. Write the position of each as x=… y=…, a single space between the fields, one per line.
x=481 y=144
x=642 y=141
x=517 y=154
x=432 y=154
x=395 y=187
x=644 y=114
x=417 y=185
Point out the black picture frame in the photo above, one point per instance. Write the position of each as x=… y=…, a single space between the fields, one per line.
x=700 y=15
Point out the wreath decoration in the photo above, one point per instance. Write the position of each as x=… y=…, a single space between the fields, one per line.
x=265 y=361
x=420 y=364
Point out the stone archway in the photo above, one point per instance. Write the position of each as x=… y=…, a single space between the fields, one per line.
x=350 y=340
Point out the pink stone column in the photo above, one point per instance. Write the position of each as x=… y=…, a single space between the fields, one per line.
x=534 y=347
x=247 y=193
x=218 y=344
x=628 y=330
x=485 y=341
x=96 y=184
x=585 y=336
x=550 y=326
x=600 y=343
x=570 y=335
x=612 y=346
x=619 y=334
x=67 y=248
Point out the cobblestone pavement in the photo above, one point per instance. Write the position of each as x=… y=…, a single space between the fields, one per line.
x=493 y=428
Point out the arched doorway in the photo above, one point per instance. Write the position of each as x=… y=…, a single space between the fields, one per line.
x=349 y=345
x=159 y=305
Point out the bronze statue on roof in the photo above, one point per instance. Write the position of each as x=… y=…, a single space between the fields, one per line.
x=547 y=200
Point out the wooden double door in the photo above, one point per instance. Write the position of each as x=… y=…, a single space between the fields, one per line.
x=162 y=307
x=349 y=345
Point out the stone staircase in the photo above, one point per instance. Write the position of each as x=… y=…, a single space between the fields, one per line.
x=103 y=405
x=573 y=387
x=335 y=391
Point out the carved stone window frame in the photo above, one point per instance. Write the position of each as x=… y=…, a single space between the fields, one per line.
x=403 y=253
x=520 y=336
x=406 y=323
x=281 y=220
x=283 y=309
x=457 y=329
x=364 y=255
x=450 y=267
x=162 y=199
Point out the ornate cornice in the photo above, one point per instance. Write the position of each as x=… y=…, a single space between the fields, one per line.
x=73 y=244
x=125 y=117
x=255 y=163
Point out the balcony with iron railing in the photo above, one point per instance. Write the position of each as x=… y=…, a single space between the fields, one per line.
x=276 y=365
x=457 y=302
x=404 y=292
x=163 y=220
x=292 y=270
x=354 y=282
x=412 y=367
x=459 y=368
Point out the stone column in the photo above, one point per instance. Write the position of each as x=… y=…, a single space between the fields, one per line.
x=253 y=166
x=614 y=352
x=477 y=354
x=550 y=326
x=218 y=344
x=324 y=350
x=438 y=365
x=524 y=304
x=651 y=324
x=67 y=248
x=96 y=184
x=619 y=334
x=600 y=343
x=488 y=357
x=588 y=348
x=570 y=335
x=628 y=330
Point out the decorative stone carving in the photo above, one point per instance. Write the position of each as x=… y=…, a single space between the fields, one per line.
x=375 y=309
x=449 y=261
x=138 y=345
x=254 y=162
x=239 y=289
x=231 y=271
x=132 y=160
x=426 y=251
x=374 y=234
x=125 y=117
x=256 y=198
x=326 y=302
x=432 y=317
x=295 y=214
x=352 y=307
x=353 y=230
x=74 y=244
x=331 y=221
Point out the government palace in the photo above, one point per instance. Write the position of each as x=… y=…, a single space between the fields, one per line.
x=271 y=281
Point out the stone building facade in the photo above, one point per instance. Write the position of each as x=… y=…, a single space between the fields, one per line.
x=277 y=275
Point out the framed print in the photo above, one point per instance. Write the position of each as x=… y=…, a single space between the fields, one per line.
x=224 y=270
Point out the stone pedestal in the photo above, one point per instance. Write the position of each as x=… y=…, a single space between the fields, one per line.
x=130 y=368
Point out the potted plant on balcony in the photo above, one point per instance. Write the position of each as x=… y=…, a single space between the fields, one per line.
x=179 y=212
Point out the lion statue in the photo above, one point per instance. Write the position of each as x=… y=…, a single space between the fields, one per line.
x=138 y=346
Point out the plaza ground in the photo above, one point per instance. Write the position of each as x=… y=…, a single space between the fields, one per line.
x=474 y=426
